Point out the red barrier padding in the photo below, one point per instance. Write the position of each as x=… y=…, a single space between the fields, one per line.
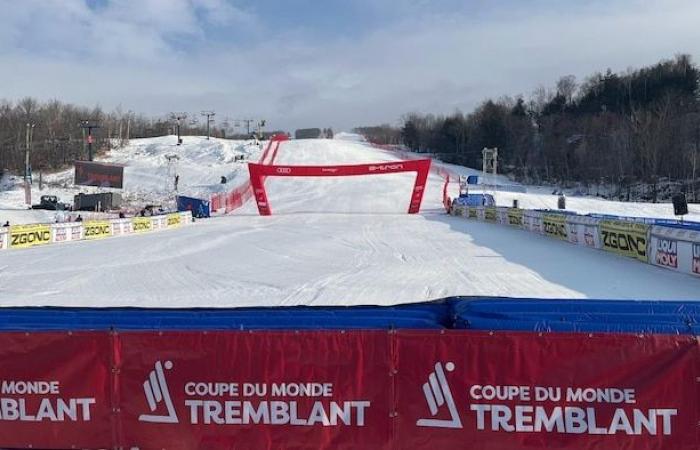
x=259 y=172
x=56 y=390
x=264 y=390
x=567 y=391
x=348 y=390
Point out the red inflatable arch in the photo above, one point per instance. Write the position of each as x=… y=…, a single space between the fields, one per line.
x=258 y=173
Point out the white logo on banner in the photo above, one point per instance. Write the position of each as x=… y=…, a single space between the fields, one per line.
x=156 y=390
x=437 y=393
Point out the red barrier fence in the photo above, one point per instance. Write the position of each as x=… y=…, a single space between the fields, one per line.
x=238 y=196
x=348 y=390
x=259 y=172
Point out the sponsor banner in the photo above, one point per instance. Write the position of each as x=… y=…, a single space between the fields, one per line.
x=185 y=217
x=141 y=224
x=174 y=220
x=269 y=390
x=674 y=248
x=490 y=214
x=554 y=225
x=625 y=238
x=62 y=232
x=502 y=216
x=474 y=213
x=159 y=222
x=22 y=236
x=523 y=391
x=665 y=252
x=515 y=217
x=90 y=173
x=532 y=220
x=696 y=259
x=4 y=239
x=55 y=390
x=122 y=226
x=97 y=229
x=573 y=231
x=591 y=236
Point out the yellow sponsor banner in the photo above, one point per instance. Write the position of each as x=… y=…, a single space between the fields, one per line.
x=625 y=238
x=515 y=217
x=554 y=225
x=97 y=229
x=491 y=214
x=22 y=236
x=174 y=220
x=141 y=224
x=473 y=213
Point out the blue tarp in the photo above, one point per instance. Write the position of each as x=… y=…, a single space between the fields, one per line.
x=496 y=314
x=476 y=200
x=199 y=207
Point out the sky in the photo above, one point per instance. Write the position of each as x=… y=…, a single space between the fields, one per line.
x=330 y=63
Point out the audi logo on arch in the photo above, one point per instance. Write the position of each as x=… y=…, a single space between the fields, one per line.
x=284 y=170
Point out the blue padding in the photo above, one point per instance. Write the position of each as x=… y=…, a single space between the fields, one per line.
x=578 y=315
x=612 y=316
x=420 y=316
x=480 y=323
x=199 y=207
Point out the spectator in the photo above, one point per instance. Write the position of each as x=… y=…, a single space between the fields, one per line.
x=79 y=218
x=121 y=215
x=7 y=224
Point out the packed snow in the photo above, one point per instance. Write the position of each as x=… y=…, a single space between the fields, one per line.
x=331 y=241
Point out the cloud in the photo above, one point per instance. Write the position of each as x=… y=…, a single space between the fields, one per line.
x=161 y=55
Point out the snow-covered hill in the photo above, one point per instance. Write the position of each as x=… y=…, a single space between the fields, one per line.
x=331 y=242
x=147 y=177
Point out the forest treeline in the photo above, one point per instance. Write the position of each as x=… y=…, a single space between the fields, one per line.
x=641 y=126
x=57 y=138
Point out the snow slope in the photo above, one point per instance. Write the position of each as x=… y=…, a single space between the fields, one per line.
x=201 y=164
x=331 y=242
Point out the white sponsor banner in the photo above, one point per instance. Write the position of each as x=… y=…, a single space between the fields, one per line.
x=121 y=226
x=532 y=221
x=675 y=249
x=64 y=232
x=185 y=217
x=583 y=230
x=502 y=215
x=159 y=222
x=4 y=239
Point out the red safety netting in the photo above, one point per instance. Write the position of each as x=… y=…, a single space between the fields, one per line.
x=238 y=196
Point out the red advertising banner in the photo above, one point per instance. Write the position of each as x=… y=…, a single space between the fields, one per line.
x=55 y=390
x=529 y=391
x=348 y=390
x=261 y=390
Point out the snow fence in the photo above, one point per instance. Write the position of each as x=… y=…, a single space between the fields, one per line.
x=664 y=243
x=39 y=234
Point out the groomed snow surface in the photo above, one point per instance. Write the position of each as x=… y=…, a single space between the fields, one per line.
x=331 y=241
